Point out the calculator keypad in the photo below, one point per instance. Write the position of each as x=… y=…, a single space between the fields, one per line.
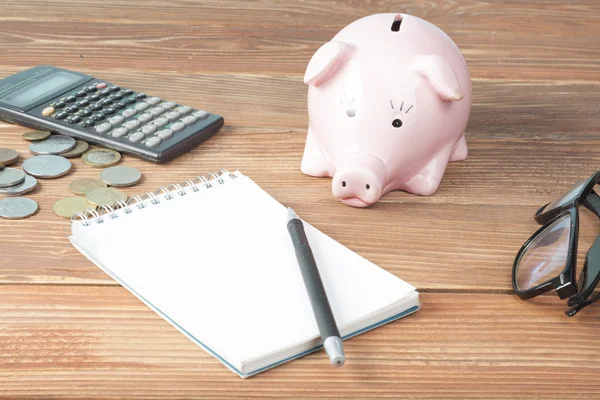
x=123 y=113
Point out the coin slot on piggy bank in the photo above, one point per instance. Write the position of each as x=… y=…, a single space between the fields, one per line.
x=386 y=111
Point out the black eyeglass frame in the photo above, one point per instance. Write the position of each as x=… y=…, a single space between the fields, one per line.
x=565 y=283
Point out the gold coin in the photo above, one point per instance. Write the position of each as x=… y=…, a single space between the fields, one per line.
x=80 y=148
x=105 y=196
x=7 y=157
x=84 y=185
x=36 y=135
x=65 y=208
x=101 y=158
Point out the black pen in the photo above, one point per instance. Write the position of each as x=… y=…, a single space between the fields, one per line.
x=332 y=342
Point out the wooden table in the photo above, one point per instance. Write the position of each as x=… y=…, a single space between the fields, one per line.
x=68 y=331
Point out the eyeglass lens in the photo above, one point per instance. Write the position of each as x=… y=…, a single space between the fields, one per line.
x=567 y=197
x=546 y=256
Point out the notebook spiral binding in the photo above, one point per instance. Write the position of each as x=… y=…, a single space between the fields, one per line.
x=97 y=214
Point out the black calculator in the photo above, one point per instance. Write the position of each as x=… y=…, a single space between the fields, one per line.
x=96 y=111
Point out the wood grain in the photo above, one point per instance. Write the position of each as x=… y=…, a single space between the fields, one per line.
x=68 y=331
x=103 y=343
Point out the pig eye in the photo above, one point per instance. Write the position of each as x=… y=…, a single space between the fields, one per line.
x=396 y=123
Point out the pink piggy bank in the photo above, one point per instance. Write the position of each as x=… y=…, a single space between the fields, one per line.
x=388 y=101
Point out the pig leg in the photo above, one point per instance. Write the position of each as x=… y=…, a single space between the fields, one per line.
x=460 y=150
x=313 y=162
x=426 y=181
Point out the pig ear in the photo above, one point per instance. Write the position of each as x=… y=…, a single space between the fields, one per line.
x=326 y=62
x=440 y=75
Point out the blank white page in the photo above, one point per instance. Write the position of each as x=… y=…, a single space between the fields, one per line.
x=220 y=264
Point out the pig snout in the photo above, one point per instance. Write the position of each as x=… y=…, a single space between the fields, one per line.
x=359 y=185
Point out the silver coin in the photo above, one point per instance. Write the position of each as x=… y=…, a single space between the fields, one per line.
x=17 y=208
x=121 y=175
x=48 y=166
x=26 y=186
x=55 y=144
x=11 y=177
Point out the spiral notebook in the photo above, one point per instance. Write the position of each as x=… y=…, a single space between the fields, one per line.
x=214 y=259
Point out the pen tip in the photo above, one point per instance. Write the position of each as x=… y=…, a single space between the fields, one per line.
x=291 y=214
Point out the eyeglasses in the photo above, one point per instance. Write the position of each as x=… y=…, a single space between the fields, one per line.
x=548 y=259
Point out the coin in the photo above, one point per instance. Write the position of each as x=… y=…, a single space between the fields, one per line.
x=121 y=175
x=55 y=144
x=84 y=185
x=17 y=208
x=26 y=186
x=80 y=148
x=7 y=157
x=36 y=135
x=65 y=208
x=105 y=196
x=101 y=158
x=47 y=166
x=11 y=177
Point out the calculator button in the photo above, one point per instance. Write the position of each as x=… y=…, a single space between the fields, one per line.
x=114 y=89
x=98 y=117
x=58 y=104
x=96 y=107
x=160 y=121
x=72 y=109
x=103 y=128
x=134 y=123
x=184 y=109
x=189 y=120
x=101 y=85
x=129 y=101
x=74 y=119
x=91 y=89
x=157 y=110
x=140 y=96
x=107 y=102
x=136 y=137
x=120 y=105
x=88 y=123
x=120 y=132
x=70 y=99
x=61 y=115
x=153 y=141
x=165 y=133
x=200 y=114
x=177 y=126
x=168 y=105
x=104 y=92
x=116 y=120
x=148 y=129
x=81 y=93
x=173 y=115
x=86 y=112
x=129 y=112
x=145 y=117
x=116 y=97
x=83 y=103
x=153 y=100
x=141 y=106
x=48 y=111
x=109 y=111
x=127 y=92
x=94 y=97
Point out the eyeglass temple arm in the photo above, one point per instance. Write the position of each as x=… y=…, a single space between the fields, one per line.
x=592 y=203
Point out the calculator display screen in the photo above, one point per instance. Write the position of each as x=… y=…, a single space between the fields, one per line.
x=40 y=89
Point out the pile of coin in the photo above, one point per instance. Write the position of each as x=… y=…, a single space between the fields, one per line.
x=51 y=153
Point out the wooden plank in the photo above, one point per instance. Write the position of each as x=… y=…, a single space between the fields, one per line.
x=285 y=50
x=252 y=103
x=90 y=342
x=465 y=236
